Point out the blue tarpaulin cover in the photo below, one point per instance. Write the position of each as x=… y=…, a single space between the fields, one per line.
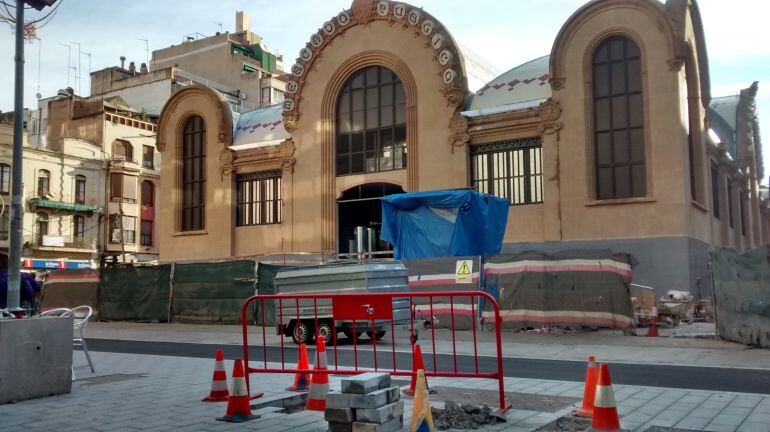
x=443 y=223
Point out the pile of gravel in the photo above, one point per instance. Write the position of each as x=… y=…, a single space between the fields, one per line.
x=465 y=416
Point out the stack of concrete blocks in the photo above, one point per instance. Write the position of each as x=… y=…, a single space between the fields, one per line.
x=367 y=403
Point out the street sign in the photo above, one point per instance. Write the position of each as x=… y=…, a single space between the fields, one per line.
x=463 y=271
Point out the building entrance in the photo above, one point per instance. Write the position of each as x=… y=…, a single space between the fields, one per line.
x=360 y=206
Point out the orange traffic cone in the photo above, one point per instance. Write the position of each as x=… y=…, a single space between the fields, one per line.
x=319 y=384
x=417 y=364
x=605 y=410
x=219 y=391
x=238 y=408
x=589 y=391
x=301 y=379
x=652 y=331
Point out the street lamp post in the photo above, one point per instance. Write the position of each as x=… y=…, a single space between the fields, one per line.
x=17 y=208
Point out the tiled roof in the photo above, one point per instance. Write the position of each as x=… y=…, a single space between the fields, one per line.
x=259 y=127
x=526 y=82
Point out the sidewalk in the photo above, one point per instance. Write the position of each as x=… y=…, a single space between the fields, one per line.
x=608 y=345
x=151 y=393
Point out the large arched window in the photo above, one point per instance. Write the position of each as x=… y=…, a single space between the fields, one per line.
x=193 y=174
x=371 y=123
x=618 y=120
x=122 y=150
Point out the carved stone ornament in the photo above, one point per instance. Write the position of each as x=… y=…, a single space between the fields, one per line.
x=226 y=161
x=161 y=146
x=287 y=154
x=676 y=63
x=290 y=122
x=557 y=83
x=549 y=110
x=458 y=126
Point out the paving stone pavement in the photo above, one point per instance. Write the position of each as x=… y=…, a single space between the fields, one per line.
x=132 y=392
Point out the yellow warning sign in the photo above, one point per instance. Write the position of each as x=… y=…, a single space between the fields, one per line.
x=463 y=271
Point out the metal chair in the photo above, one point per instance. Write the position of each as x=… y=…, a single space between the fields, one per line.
x=80 y=316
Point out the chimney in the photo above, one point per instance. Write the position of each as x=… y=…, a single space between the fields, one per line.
x=131 y=68
x=242 y=22
x=143 y=68
x=122 y=62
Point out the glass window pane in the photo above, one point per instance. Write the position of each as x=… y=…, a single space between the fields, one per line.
x=637 y=145
x=372 y=98
x=602 y=114
x=622 y=181
x=400 y=115
x=603 y=148
x=616 y=48
x=357 y=163
x=400 y=98
x=619 y=112
x=357 y=143
x=635 y=107
x=638 y=177
x=386 y=116
x=620 y=145
x=601 y=53
x=618 y=78
x=372 y=118
x=632 y=50
x=358 y=121
x=386 y=94
x=604 y=181
x=634 y=75
x=358 y=81
x=343 y=106
x=358 y=100
x=601 y=80
x=371 y=76
x=386 y=75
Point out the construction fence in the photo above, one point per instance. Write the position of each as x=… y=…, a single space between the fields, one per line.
x=742 y=295
x=533 y=289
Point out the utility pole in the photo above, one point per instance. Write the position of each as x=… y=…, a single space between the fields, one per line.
x=89 y=71
x=17 y=209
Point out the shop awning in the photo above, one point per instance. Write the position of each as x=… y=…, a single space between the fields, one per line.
x=35 y=203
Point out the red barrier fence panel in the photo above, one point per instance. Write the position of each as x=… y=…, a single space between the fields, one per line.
x=305 y=317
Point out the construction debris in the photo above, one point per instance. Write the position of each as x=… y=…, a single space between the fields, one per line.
x=465 y=416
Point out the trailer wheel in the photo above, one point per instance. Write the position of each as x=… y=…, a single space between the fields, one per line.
x=300 y=332
x=349 y=334
x=325 y=331
x=377 y=335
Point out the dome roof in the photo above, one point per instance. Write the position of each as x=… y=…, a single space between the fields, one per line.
x=524 y=86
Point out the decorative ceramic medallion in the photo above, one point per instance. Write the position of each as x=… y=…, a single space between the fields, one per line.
x=297 y=69
x=383 y=8
x=427 y=27
x=288 y=105
x=438 y=41
x=414 y=17
x=343 y=18
x=316 y=40
x=399 y=11
x=445 y=57
x=305 y=54
x=328 y=28
x=449 y=76
x=292 y=87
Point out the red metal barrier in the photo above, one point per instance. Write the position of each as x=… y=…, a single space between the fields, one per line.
x=376 y=313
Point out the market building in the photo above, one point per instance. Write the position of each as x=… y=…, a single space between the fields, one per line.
x=608 y=142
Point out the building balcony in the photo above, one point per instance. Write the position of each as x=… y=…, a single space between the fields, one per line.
x=70 y=206
x=60 y=243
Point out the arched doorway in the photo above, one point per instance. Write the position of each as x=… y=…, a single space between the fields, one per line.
x=360 y=206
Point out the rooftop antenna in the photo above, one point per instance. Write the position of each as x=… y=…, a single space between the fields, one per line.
x=146 y=49
x=78 y=74
x=220 y=26
x=69 y=52
x=39 y=56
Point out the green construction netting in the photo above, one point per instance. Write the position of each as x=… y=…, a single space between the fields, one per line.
x=212 y=292
x=265 y=276
x=741 y=295
x=135 y=293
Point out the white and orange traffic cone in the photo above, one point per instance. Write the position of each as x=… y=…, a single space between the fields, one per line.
x=319 y=383
x=652 y=331
x=238 y=408
x=301 y=379
x=589 y=391
x=605 y=416
x=219 y=391
x=417 y=364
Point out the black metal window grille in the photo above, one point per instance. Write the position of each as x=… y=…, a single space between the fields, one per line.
x=618 y=120
x=509 y=169
x=371 y=123
x=193 y=175
x=259 y=198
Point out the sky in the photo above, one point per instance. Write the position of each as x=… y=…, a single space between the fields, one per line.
x=504 y=32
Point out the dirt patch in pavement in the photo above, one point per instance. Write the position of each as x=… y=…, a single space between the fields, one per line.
x=518 y=401
x=109 y=379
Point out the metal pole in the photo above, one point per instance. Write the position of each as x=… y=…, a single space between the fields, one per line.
x=14 y=249
x=78 y=75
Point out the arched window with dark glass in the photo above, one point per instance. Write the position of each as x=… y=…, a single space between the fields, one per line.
x=42 y=226
x=5 y=179
x=43 y=183
x=148 y=193
x=80 y=189
x=618 y=110
x=371 y=123
x=79 y=227
x=193 y=174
